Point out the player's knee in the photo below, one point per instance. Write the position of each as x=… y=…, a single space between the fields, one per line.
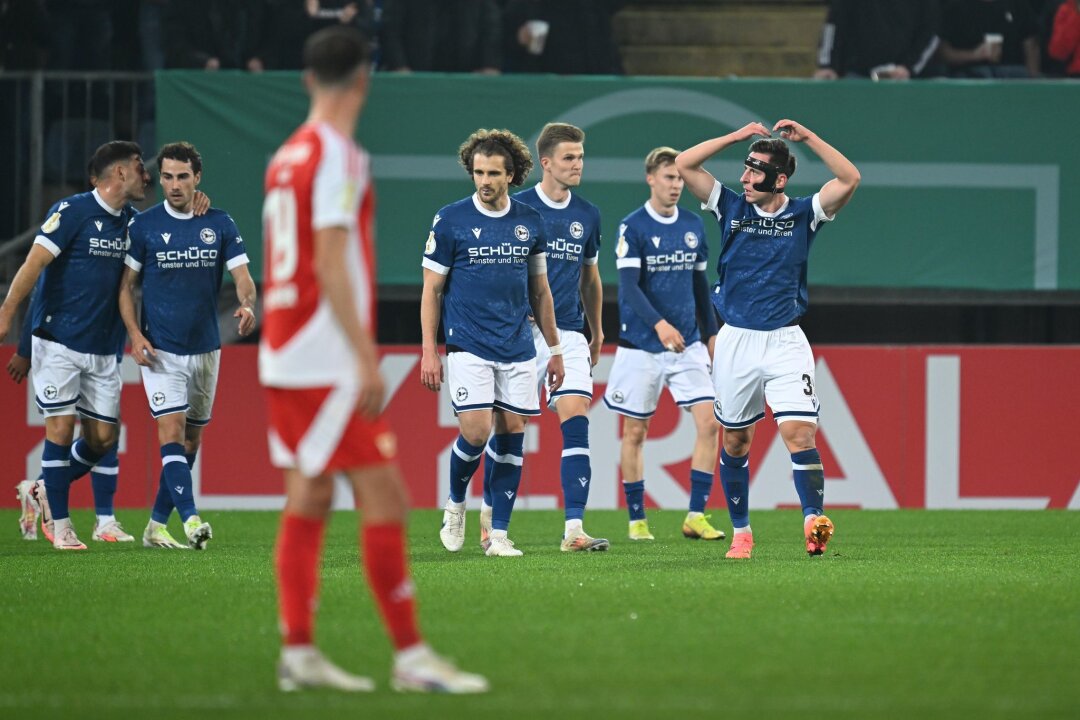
x=736 y=443
x=634 y=434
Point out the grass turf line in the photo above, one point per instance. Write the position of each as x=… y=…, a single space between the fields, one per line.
x=932 y=614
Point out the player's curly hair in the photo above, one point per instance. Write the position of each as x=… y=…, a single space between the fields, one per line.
x=778 y=152
x=502 y=143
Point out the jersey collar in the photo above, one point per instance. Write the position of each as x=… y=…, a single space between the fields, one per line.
x=104 y=205
x=660 y=218
x=177 y=215
x=782 y=208
x=490 y=213
x=551 y=203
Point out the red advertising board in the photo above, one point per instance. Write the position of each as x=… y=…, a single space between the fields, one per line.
x=908 y=427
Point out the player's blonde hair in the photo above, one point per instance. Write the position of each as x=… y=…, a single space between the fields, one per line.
x=659 y=156
x=502 y=143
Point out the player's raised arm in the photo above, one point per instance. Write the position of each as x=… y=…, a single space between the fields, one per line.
x=689 y=162
x=836 y=193
x=543 y=309
x=332 y=274
x=431 y=369
x=22 y=284
x=245 y=295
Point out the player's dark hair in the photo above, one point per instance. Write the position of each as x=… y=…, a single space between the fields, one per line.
x=658 y=157
x=111 y=153
x=778 y=152
x=555 y=133
x=334 y=55
x=501 y=143
x=183 y=152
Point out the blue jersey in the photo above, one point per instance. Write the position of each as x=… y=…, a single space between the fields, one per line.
x=182 y=259
x=485 y=256
x=77 y=291
x=761 y=270
x=668 y=250
x=572 y=229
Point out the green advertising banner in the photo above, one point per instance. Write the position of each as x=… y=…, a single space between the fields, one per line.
x=964 y=184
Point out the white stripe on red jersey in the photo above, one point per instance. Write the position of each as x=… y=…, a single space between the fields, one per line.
x=318 y=179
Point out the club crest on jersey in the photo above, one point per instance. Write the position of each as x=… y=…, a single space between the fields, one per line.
x=208 y=236
x=158 y=399
x=429 y=246
x=655 y=241
x=98 y=224
x=576 y=230
x=691 y=240
x=461 y=394
x=521 y=233
x=166 y=237
x=52 y=223
x=621 y=248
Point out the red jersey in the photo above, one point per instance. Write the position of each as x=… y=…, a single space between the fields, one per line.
x=318 y=179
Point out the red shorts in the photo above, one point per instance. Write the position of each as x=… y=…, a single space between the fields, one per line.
x=317 y=431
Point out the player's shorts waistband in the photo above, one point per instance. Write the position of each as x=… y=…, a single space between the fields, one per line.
x=793 y=323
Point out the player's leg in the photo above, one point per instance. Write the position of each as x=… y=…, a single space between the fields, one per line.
x=201 y=375
x=633 y=391
x=790 y=391
x=740 y=403
x=103 y=480
x=687 y=377
x=472 y=395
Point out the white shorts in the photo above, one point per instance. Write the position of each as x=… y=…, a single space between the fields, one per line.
x=752 y=367
x=68 y=382
x=478 y=384
x=638 y=376
x=577 y=362
x=182 y=383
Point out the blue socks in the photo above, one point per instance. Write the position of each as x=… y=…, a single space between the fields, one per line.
x=635 y=499
x=463 y=461
x=103 y=480
x=700 y=486
x=505 y=477
x=809 y=480
x=176 y=474
x=575 y=468
x=489 y=461
x=735 y=478
x=163 y=503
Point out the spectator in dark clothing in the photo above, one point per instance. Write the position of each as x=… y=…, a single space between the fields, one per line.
x=579 y=37
x=1065 y=37
x=22 y=34
x=990 y=39
x=442 y=36
x=288 y=23
x=214 y=34
x=883 y=39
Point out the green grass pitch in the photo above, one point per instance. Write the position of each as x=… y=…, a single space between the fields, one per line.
x=910 y=614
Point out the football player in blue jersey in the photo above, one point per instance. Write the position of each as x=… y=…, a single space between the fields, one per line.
x=572 y=230
x=485 y=271
x=665 y=323
x=76 y=261
x=177 y=345
x=761 y=354
x=103 y=476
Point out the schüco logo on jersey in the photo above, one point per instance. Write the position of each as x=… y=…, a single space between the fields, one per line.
x=108 y=246
x=192 y=253
x=672 y=258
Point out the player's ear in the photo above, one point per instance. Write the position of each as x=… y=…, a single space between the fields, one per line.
x=198 y=178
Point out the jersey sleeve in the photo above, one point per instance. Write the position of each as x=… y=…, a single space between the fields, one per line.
x=136 y=252
x=592 y=243
x=233 y=245
x=439 y=249
x=335 y=195
x=719 y=201
x=628 y=248
x=817 y=213
x=59 y=228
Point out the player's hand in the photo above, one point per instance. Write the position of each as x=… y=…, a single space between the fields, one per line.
x=372 y=391
x=247 y=320
x=200 y=204
x=900 y=73
x=555 y=373
x=431 y=371
x=18 y=367
x=142 y=352
x=595 y=346
x=670 y=338
x=750 y=130
x=791 y=130
x=825 y=73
